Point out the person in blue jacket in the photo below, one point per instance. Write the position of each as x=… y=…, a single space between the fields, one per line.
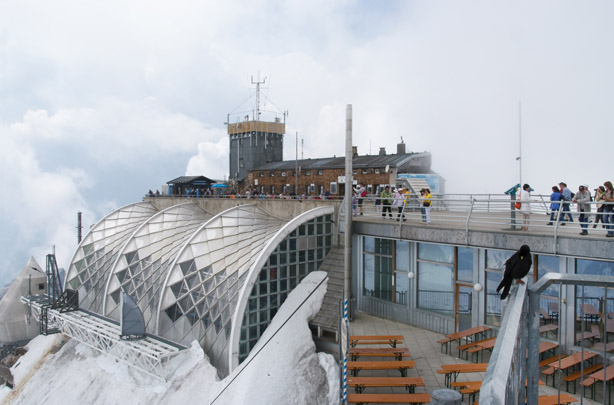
x=554 y=206
x=565 y=196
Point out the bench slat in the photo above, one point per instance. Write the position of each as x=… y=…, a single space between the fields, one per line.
x=389 y=398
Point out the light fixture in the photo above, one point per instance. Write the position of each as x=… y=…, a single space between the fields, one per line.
x=411 y=275
x=477 y=287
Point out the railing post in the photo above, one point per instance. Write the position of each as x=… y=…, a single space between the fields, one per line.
x=533 y=345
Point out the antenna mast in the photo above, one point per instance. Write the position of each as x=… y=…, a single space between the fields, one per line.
x=258 y=83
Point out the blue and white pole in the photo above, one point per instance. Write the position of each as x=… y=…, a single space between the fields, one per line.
x=344 y=345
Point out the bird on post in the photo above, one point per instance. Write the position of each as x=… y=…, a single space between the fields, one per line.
x=516 y=267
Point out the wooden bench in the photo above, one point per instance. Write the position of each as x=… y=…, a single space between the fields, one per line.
x=402 y=366
x=473 y=345
x=391 y=340
x=545 y=316
x=451 y=371
x=568 y=363
x=389 y=398
x=464 y=334
x=397 y=352
x=552 y=359
x=554 y=399
x=577 y=375
x=548 y=328
x=410 y=383
x=592 y=335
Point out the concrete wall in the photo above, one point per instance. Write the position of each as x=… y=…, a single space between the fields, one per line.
x=285 y=209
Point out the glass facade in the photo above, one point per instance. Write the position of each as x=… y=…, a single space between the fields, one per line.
x=378 y=272
x=302 y=252
x=436 y=278
x=186 y=268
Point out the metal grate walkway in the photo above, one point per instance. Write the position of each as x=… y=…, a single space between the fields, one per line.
x=150 y=354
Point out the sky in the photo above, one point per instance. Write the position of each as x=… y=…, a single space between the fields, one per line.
x=102 y=101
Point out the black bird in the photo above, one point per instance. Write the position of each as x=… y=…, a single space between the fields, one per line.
x=516 y=267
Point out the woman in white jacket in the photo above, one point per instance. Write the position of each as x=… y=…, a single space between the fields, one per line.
x=525 y=206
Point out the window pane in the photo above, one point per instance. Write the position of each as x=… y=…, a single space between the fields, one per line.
x=549 y=264
x=369 y=244
x=369 y=275
x=435 y=287
x=383 y=246
x=495 y=259
x=465 y=264
x=436 y=253
x=402 y=252
x=402 y=287
x=493 y=298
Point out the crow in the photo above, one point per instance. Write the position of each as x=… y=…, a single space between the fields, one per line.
x=516 y=267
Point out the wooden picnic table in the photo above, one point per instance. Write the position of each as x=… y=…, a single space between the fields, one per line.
x=402 y=366
x=548 y=328
x=389 y=398
x=554 y=399
x=590 y=312
x=573 y=360
x=600 y=346
x=472 y=333
x=397 y=352
x=546 y=347
x=392 y=340
x=451 y=371
x=360 y=383
x=605 y=375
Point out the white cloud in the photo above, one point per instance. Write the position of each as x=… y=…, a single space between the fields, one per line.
x=104 y=101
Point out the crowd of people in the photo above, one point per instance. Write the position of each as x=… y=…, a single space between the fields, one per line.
x=560 y=206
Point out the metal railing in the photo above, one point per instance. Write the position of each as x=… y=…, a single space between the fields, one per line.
x=488 y=212
x=515 y=357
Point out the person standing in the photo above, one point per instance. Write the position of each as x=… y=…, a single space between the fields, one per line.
x=599 y=196
x=428 y=202
x=565 y=196
x=398 y=203
x=386 y=198
x=554 y=206
x=583 y=203
x=362 y=193
x=525 y=206
x=608 y=208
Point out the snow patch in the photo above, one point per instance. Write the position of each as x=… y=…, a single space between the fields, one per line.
x=283 y=368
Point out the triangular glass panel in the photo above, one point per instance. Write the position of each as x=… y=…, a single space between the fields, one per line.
x=121 y=275
x=115 y=296
x=208 y=285
x=206 y=320
x=186 y=266
x=176 y=288
x=131 y=257
x=218 y=325
x=205 y=273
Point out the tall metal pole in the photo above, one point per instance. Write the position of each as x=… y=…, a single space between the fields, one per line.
x=348 y=202
x=520 y=142
x=296 y=166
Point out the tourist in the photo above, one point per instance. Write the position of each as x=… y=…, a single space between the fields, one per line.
x=608 y=208
x=428 y=203
x=583 y=201
x=599 y=197
x=386 y=198
x=525 y=206
x=554 y=205
x=398 y=203
x=565 y=196
x=362 y=193
x=421 y=202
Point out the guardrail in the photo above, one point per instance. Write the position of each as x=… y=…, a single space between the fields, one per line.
x=515 y=357
x=491 y=213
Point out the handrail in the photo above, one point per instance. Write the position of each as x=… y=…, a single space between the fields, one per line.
x=509 y=363
x=508 y=356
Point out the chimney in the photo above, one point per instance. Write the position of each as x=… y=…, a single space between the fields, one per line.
x=382 y=151
x=354 y=151
x=401 y=148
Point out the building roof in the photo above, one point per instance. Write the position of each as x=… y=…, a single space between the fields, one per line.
x=358 y=162
x=193 y=180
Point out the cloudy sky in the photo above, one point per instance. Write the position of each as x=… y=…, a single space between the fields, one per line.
x=101 y=101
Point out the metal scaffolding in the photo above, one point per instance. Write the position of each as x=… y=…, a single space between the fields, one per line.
x=150 y=354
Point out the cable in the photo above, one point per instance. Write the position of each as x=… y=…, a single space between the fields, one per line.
x=271 y=338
